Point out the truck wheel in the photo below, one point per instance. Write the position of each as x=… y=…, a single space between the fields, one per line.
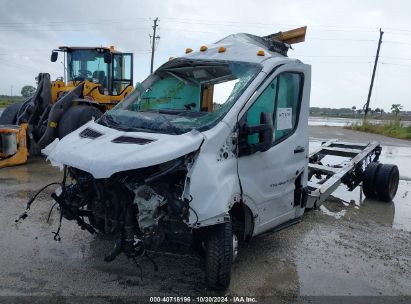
x=386 y=182
x=219 y=256
x=368 y=183
x=9 y=115
x=75 y=117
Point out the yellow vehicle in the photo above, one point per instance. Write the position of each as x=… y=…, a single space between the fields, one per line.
x=95 y=79
x=107 y=73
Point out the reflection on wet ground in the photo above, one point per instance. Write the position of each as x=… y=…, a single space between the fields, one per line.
x=342 y=122
x=348 y=247
x=396 y=214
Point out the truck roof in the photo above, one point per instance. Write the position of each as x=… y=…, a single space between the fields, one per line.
x=241 y=47
x=69 y=48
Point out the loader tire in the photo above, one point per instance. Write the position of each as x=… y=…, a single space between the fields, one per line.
x=386 y=182
x=368 y=183
x=9 y=115
x=75 y=117
x=219 y=256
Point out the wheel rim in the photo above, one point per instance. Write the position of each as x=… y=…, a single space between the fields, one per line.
x=393 y=184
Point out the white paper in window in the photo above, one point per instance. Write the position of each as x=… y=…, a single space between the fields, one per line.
x=284 y=118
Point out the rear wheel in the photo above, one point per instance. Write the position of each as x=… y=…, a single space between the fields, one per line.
x=219 y=256
x=368 y=184
x=75 y=117
x=386 y=182
x=9 y=115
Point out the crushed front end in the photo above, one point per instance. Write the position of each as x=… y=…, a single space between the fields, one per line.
x=141 y=209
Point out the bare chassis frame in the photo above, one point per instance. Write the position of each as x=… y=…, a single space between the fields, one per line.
x=332 y=175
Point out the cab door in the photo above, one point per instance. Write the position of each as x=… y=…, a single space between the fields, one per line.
x=269 y=179
x=122 y=72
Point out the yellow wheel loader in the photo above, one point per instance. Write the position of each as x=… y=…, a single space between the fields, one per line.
x=95 y=79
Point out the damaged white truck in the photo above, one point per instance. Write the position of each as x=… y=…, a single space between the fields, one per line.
x=210 y=150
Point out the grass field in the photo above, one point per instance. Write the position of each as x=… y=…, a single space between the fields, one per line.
x=392 y=129
x=7 y=100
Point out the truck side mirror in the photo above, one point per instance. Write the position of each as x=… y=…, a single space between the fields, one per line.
x=107 y=57
x=265 y=131
x=266 y=136
x=54 y=56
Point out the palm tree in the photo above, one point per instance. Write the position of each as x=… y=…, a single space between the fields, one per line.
x=396 y=108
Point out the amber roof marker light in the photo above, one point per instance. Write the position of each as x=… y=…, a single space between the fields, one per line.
x=261 y=53
x=221 y=49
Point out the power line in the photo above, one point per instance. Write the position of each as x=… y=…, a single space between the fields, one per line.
x=68 y=29
x=396 y=64
x=333 y=56
x=343 y=28
x=122 y=20
x=236 y=23
x=336 y=39
x=397 y=42
x=396 y=58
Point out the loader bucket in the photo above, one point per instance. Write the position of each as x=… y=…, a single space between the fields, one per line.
x=13 y=145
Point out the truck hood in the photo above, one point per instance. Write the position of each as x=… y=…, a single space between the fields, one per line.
x=102 y=151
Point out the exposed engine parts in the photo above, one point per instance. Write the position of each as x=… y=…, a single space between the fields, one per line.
x=148 y=203
x=138 y=208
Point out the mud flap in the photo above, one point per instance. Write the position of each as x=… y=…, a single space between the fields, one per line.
x=301 y=197
x=300 y=193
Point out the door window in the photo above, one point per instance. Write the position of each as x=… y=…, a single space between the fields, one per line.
x=287 y=105
x=281 y=98
x=122 y=64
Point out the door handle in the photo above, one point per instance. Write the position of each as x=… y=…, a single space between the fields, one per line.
x=299 y=149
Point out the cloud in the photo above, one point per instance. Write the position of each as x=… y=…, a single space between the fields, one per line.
x=341 y=40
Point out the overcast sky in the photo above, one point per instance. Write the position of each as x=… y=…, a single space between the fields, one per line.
x=340 y=44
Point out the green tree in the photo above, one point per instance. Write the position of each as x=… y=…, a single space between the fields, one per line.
x=27 y=91
x=396 y=109
x=377 y=111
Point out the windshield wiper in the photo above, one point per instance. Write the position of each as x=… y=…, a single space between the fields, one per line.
x=107 y=120
x=171 y=127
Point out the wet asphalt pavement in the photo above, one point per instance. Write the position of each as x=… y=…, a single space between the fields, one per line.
x=350 y=246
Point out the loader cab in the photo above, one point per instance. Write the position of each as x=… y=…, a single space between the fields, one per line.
x=111 y=69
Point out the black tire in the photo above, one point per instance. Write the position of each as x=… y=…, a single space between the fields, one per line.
x=386 y=182
x=368 y=183
x=198 y=242
x=9 y=115
x=219 y=256
x=75 y=117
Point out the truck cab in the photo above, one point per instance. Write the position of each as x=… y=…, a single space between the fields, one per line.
x=210 y=149
x=107 y=72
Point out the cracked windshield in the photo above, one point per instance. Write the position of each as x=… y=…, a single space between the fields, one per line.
x=183 y=96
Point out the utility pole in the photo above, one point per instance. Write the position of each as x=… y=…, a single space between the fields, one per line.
x=154 y=37
x=366 y=108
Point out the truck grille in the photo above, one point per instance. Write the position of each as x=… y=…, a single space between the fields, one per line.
x=131 y=140
x=90 y=133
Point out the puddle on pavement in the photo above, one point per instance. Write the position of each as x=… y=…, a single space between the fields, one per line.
x=335 y=214
x=396 y=214
x=36 y=169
